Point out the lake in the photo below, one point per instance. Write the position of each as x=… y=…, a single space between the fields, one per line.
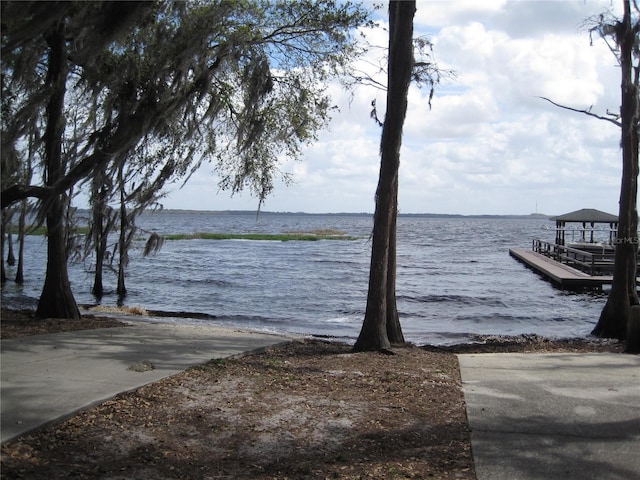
x=455 y=277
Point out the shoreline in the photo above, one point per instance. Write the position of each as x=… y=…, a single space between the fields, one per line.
x=19 y=323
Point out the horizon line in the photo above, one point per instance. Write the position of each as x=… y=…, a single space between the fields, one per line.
x=270 y=212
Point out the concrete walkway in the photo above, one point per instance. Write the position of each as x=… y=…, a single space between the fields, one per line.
x=46 y=378
x=553 y=416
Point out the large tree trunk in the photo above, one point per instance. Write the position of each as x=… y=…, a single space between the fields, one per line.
x=100 y=249
x=24 y=208
x=21 y=235
x=373 y=335
x=3 y=272
x=56 y=300
x=394 y=329
x=122 y=241
x=617 y=311
x=101 y=226
x=11 y=257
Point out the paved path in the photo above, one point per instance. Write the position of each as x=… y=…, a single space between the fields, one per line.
x=553 y=416
x=45 y=378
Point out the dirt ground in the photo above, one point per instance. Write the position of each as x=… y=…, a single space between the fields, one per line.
x=310 y=409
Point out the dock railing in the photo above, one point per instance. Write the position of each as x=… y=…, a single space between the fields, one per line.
x=588 y=262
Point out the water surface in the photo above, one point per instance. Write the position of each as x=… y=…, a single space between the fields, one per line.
x=455 y=277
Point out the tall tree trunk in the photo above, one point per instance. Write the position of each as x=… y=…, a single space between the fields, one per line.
x=21 y=234
x=617 y=311
x=11 y=257
x=24 y=208
x=373 y=335
x=122 y=241
x=100 y=230
x=100 y=249
x=70 y=244
x=394 y=329
x=56 y=300
x=3 y=272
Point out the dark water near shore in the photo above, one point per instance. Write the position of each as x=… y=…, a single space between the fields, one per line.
x=455 y=277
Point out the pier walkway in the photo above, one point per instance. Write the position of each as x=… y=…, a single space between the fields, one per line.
x=562 y=275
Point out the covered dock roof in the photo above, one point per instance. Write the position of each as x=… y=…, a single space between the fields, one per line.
x=586 y=215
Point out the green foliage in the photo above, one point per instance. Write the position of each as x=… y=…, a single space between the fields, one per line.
x=156 y=89
x=283 y=237
x=167 y=86
x=154 y=242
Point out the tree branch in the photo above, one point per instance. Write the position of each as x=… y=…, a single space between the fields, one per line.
x=18 y=192
x=586 y=112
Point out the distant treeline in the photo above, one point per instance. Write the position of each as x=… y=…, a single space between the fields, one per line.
x=342 y=214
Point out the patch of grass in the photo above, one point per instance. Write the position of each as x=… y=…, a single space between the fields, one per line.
x=275 y=362
x=282 y=237
x=220 y=362
x=326 y=232
x=309 y=236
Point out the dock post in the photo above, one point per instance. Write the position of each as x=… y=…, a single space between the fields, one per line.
x=633 y=331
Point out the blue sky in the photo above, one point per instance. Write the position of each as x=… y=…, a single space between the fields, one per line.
x=488 y=145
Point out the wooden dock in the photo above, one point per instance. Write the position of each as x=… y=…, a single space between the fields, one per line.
x=564 y=276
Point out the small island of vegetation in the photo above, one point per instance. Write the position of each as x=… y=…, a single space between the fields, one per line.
x=314 y=235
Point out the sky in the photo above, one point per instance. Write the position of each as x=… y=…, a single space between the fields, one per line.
x=489 y=144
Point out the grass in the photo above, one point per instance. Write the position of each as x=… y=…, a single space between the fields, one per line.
x=282 y=237
x=313 y=235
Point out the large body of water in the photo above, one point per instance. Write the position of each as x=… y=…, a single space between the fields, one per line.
x=455 y=277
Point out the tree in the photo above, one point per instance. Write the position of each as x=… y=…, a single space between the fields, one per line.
x=616 y=313
x=36 y=35
x=191 y=69
x=374 y=335
x=622 y=36
x=56 y=300
x=3 y=273
x=238 y=84
x=102 y=221
x=25 y=207
x=21 y=237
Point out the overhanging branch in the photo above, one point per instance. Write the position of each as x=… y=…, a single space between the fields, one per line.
x=586 y=112
x=16 y=193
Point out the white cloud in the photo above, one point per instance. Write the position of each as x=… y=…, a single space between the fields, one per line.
x=443 y=12
x=488 y=144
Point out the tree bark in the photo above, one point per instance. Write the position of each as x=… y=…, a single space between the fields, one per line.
x=11 y=257
x=56 y=300
x=633 y=331
x=373 y=335
x=101 y=227
x=617 y=311
x=122 y=246
x=21 y=238
x=24 y=205
x=3 y=272
x=394 y=329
